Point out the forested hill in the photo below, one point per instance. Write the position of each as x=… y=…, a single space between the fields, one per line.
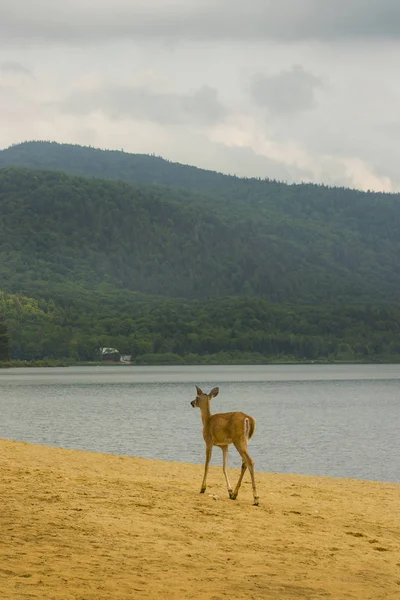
x=365 y=225
x=226 y=193
x=109 y=164
x=58 y=228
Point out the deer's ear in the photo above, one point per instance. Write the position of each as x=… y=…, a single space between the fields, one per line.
x=199 y=392
x=214 y=392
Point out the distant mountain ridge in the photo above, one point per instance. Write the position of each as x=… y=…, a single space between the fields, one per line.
x=225 y=193
x=141 y=168
x=174 y=230
x=106 y=164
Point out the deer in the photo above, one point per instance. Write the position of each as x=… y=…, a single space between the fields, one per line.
x=223 y=429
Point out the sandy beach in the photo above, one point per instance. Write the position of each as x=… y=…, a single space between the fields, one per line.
x=88 y=526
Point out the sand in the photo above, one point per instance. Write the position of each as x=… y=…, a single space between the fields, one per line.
x=89 y=526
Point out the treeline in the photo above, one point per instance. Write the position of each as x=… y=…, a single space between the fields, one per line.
x=211 y=331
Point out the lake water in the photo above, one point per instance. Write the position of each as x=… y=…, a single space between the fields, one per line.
x=340 y=421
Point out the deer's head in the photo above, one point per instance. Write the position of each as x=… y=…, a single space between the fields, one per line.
x=202 y=398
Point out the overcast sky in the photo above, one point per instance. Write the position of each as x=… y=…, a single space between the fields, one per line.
x=297 y=90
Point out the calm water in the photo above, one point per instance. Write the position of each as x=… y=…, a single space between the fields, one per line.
x=341 y=421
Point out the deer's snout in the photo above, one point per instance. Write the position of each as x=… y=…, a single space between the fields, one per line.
x=193 y=403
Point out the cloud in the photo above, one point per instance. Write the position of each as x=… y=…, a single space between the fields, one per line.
x=211 y=84
x=238 y=145
x=13 y=74
x=290 y=91
x=86 y=21
x=118 y=102
x=14 y=68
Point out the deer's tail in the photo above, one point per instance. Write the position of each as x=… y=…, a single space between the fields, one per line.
x=250 y=427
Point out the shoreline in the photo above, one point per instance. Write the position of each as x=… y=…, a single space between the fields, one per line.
x=50 y=363
x=200 y=463
x=78 y=524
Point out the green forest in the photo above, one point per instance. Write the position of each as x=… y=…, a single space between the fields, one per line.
x=174 y=264
x=58 y=227
x=75 y=324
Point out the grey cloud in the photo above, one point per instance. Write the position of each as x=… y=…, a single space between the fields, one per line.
x=287 y=92
x=202 y=107
x=14 y=68
x=184 y=146
x=87 y=21
x=243 y=162
x=14 y=71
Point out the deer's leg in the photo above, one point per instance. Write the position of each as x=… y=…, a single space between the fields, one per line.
x=208 y=458
x=242 y=472
x=249 y=462
x=224 y=467
x=250 y=466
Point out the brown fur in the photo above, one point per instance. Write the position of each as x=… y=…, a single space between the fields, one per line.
x=223 y=429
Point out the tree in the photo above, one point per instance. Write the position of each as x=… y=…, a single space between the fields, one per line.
x=5 y=352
